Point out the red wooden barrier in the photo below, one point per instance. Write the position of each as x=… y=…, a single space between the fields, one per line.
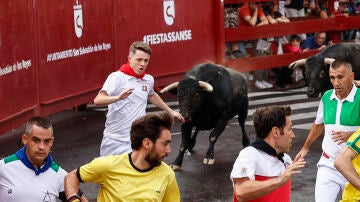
x=56 y=55
x=333 y=25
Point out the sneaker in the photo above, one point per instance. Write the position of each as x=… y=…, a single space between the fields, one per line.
x=259 y=85
x=266 y=84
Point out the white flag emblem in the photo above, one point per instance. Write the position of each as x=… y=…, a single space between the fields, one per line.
x=78 y=20
x=169 y=12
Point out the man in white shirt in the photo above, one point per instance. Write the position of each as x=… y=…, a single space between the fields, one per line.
x=262 y=172
x=31 y=174
x=337 y=118
x=126 y=93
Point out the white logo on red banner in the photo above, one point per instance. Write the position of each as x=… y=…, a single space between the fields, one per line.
x=169 y=11
x=78 y=19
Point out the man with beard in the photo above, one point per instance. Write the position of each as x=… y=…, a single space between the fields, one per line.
x=136 y=176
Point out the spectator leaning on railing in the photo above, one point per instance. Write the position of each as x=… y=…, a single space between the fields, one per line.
x=316 y=42
x=251 y=14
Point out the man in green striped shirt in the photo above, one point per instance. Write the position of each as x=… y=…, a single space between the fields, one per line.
x=338 y=117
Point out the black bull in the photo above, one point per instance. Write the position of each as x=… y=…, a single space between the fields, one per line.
x=317 y=72
x=209 y=96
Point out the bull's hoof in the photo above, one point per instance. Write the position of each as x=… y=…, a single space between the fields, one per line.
x=209 y=161
x=175 y=167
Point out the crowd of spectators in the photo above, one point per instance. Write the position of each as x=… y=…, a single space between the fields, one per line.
x=281 y=11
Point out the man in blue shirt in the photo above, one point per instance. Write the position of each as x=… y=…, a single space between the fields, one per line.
x=316 y=42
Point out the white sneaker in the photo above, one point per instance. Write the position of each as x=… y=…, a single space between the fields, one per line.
x=259 y=85
x=266 y=84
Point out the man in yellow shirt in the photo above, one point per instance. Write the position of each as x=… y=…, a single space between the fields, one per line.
x=137 y=176
x=348 y=164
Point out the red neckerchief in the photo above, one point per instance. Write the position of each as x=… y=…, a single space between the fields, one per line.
x=126 y=69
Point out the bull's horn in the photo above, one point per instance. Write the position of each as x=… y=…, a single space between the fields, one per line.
x=169 y=87
x=206 y=86
x=357 y=83
x=297 y=63
x=328 y=61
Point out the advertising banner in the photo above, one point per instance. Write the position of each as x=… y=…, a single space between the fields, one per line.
x=17 y=73
x=181 y=33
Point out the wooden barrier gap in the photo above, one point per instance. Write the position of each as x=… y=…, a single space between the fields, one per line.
x=337 y=23
x=266 y=62
x=333 y=25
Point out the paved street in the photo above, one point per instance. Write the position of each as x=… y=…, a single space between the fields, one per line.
x=78 y=135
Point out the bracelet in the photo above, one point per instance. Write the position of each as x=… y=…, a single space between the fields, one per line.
x=279 y=180
x=74 y=198
x=80 y=193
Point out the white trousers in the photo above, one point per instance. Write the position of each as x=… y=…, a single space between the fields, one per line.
x=111 y=146
x=291 y=12
x=329 y=182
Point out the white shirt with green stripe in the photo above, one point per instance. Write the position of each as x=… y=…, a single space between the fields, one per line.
x=338 y=115
x=20 y=183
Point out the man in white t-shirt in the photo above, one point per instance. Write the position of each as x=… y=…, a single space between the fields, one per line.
x=338 y=116
x=31 y=174
x=262 y=171
x=126 y=93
